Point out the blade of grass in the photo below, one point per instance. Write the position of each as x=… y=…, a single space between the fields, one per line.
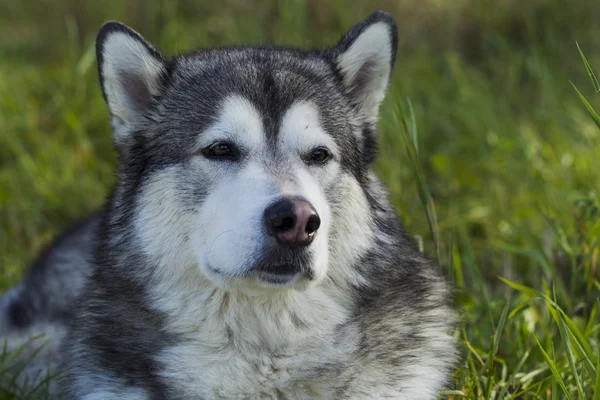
x=588 y=68
x=557 y=378
x=412 y=128
x=489 y=365
x=498 y=334
x=516 y=310
x=408 y=133
x=591 y=320
x=451 y=271
x=521 y=288
x=570 y=357
x=580 y=340
x=597 y=385
x=588 y=107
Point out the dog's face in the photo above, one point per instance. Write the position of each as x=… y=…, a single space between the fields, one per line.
x=247 y=163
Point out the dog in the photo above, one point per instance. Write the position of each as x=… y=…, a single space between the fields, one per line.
x=247 y=250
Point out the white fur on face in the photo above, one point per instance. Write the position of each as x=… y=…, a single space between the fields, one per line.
x=238 y=122
x=227 y=233
x=301 y=131
x=161 y=226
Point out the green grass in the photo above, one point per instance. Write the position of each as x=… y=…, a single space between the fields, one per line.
x=490 y=156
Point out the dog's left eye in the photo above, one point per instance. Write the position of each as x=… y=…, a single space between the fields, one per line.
x=220 y=151
x=320 y=155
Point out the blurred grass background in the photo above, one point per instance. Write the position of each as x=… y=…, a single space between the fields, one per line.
x=508 y=153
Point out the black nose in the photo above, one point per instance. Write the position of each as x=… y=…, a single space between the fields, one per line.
x=292 y=221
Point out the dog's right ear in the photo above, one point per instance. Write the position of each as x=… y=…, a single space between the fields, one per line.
x=132 y=73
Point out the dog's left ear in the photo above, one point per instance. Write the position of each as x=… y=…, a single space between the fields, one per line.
x=132 y=73
x=364 y=58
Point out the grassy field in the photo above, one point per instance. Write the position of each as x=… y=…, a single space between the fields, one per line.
x=492 y=161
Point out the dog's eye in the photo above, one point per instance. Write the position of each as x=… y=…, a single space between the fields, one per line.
x=221 y=151
x=320 y=155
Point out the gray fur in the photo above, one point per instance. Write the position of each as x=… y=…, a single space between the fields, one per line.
x=34 y=314
x=155 y=322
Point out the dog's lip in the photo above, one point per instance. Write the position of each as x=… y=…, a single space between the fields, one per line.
x=281 y=269
x=280 y=279
x=275 y=273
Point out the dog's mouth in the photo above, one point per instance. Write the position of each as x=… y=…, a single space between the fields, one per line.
x=276 y=268
x=281 y=269
x=274 y=274
x=277 y=279
x=282 y=274
x=283 y=266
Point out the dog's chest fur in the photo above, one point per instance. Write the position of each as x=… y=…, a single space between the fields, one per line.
x=239 y=346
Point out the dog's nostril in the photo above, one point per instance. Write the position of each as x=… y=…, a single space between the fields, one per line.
x=313 y=223
x=285 y=223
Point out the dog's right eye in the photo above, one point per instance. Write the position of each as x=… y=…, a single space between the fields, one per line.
x=221 y=151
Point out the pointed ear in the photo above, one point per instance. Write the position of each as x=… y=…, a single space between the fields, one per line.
x=364 y=58
x=132 y=73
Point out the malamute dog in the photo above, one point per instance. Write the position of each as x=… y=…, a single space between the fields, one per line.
x=247 y=250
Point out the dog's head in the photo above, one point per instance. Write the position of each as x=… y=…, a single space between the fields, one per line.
x=248 y=163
